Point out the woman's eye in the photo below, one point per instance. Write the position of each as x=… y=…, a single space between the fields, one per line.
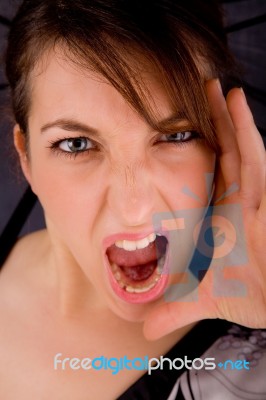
x=178 y=137
x=75 y=145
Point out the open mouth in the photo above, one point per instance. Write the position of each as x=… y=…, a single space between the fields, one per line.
x=138 y=267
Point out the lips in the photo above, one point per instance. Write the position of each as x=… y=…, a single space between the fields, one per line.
x=137 y=269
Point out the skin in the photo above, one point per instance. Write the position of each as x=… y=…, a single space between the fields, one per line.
x=62 y=300
x=114 y=190
x=242 y=161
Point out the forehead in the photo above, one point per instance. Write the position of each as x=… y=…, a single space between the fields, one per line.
x=60 y=88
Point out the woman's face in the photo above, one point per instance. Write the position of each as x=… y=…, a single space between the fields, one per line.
x=102 y=175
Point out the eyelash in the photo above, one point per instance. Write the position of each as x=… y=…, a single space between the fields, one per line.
x=55 y=145
x=193 y=137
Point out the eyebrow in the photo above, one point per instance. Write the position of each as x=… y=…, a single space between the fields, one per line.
x=72 y=125
x=173 y=120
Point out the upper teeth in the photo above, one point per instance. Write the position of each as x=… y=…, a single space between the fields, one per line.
x=131 y=245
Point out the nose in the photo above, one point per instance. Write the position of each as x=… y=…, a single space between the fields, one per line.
x=131 y=194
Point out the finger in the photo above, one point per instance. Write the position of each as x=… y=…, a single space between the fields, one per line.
x=229 y=158
x=251 y=149
x=261 y=215
x=174 y=315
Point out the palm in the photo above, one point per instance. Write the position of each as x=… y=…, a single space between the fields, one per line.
x=240 y=295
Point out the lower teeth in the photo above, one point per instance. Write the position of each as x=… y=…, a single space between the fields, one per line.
x=144 y=289
x=139 y=288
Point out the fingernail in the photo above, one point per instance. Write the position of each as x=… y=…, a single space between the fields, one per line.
x=219 y=86
x=244 y=98
x=243 y=93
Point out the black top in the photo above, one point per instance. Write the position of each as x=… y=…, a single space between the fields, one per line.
x=213 y=338
x=227 y=343
x=159 y=384
x=10 y=234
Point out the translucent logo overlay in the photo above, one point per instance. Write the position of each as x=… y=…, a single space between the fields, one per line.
x=115 y=365
x=203 y=238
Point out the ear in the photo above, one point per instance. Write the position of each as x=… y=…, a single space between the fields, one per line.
x=21 y=147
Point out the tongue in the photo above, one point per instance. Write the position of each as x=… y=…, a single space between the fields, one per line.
x=126 y=258
x=139 y=272
x=139 y=264
x=149 y=254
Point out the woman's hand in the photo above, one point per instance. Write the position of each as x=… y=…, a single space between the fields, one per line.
x=242 y=163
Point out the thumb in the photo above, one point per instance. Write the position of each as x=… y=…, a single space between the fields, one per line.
x=170 y=316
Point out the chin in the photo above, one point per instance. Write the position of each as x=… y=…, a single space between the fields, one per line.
x=131 y=312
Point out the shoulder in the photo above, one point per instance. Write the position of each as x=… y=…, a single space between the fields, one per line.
x=23 y=280
x=23 y=261
x=26 y=247
x=22 y=314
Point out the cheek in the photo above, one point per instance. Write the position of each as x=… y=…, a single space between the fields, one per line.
x=186 y=186
x=70 y=196
x=73 y=194
x=186 y=180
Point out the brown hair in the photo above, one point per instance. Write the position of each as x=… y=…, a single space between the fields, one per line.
x=107 y=36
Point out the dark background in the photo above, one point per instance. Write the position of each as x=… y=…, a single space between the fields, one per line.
x=247 y=41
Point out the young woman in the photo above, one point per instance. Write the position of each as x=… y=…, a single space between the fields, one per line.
x=125 y=136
